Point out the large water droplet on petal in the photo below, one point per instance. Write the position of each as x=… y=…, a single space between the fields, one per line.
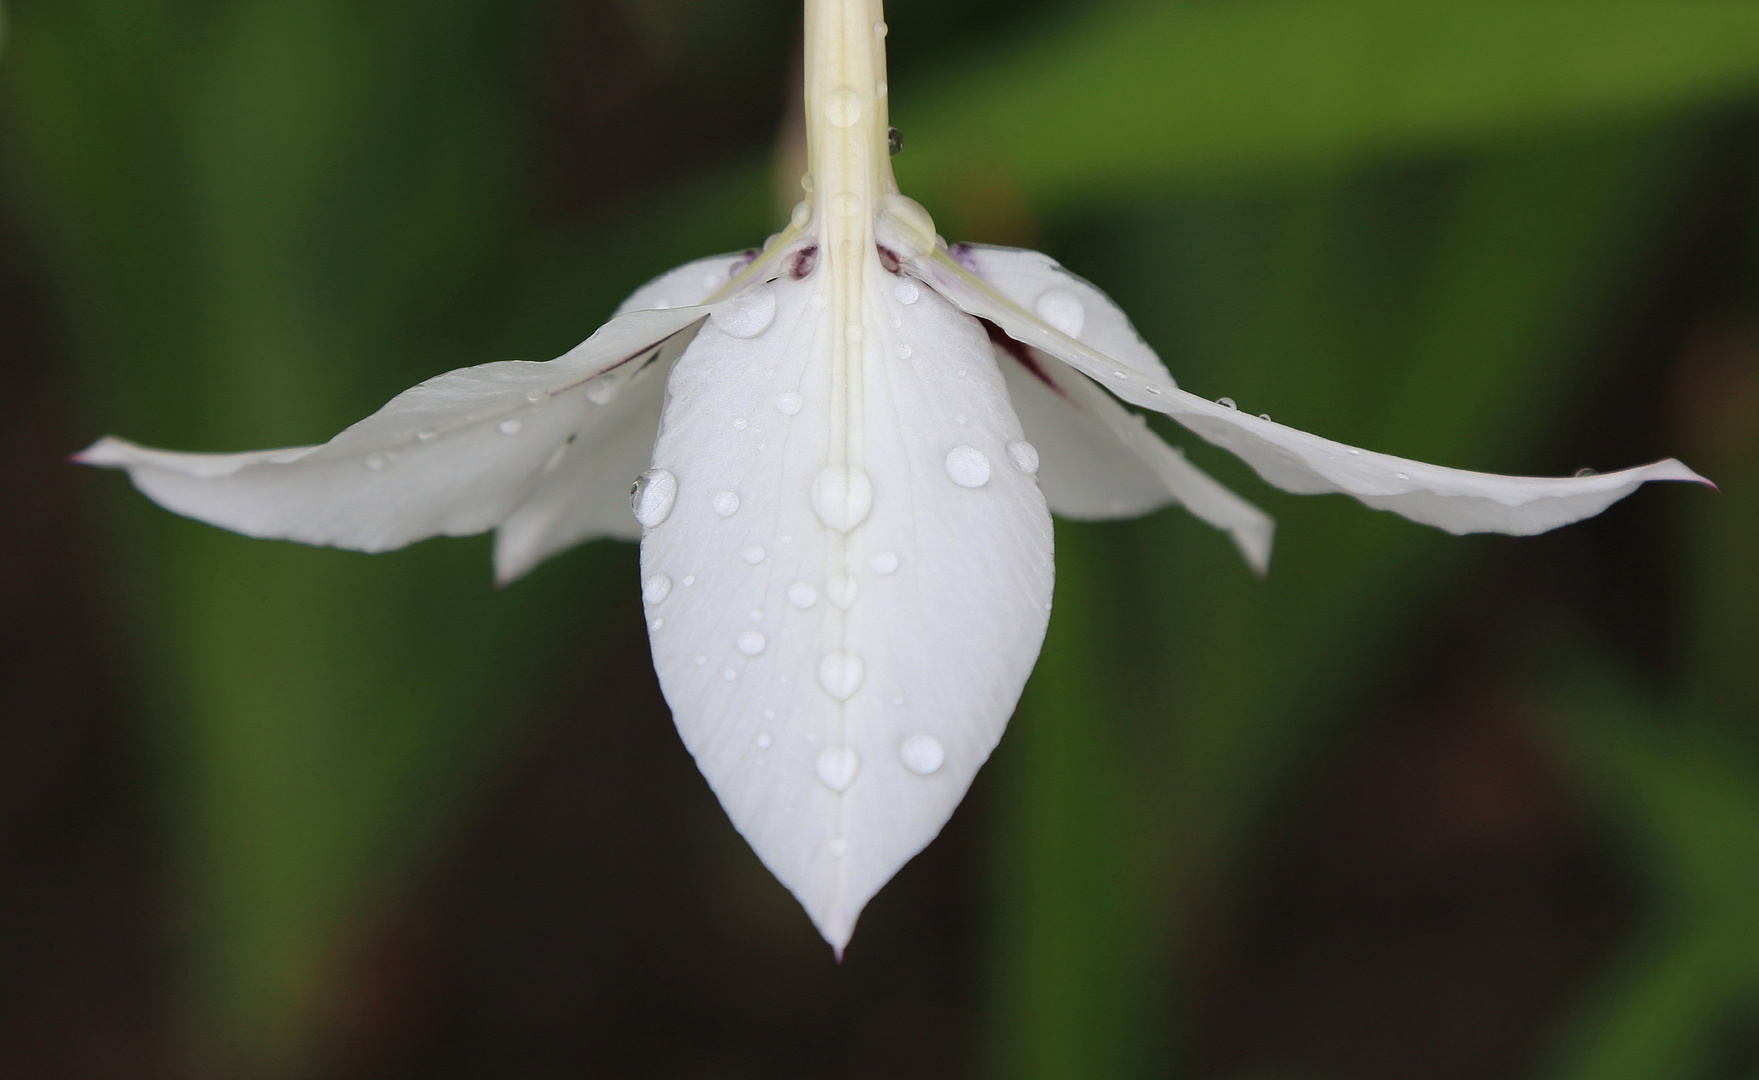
x=841 y=591
x=922 y=754
x=907 y=292
x=751 y=642
x=802 y=595
x=727 y=504
x=652 y=497
x=753 y=554
x=837 y=767
x=842 y=497
x=748 y=313
x=510 y=427
x=840 y=673
x=656 y=588
x=968 y=467
x=604 y=389
x=885 y=563
x=843 y=107
x=1024 y=456
x=1063 y=310
x=788 y=402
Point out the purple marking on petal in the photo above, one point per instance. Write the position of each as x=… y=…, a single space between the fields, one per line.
x=1022 y=353
x=803 y=262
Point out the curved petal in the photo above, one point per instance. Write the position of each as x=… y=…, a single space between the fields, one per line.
x=454 y=455
x=842 y=642
x=1099 y=461
x=688 y=285
x=1035 y=282
x=1457 y=500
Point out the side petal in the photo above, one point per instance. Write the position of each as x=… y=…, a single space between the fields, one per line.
x=843 y=641
x=1035 y=282
x=1457 y=500
x=1098 y=461
x=688 y=285
x=454 y=455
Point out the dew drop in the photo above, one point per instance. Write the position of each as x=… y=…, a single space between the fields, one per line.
x=837 y=766
x=428 y=434
x=555 y=459
x=689 y=580
x=841 y=591
x=604 y=389
x=1587 y=472
x=510 y=427
x=710 y=280
x=904 y=350
x=922 y=754
x=652 y=497
x=729 y=674
x=802 y=595
x=764 y=742
x=1024 y=456
x=788 y=402
x=699 y=660
x=656 y=588
x=535 y=396
x=1063 y=310
x=802 y=212
x=959 y=418
x=838 y=847
x=1226 y=403
x=726 y=504
x=1264 y=416
x=1402 y=476
x=769 y=714
x=752 y=554
x=751 y=642
x=755 y=615
x=656 y=624
x=907 y=292
x=739 y=423
x=747 y=313
x=885 y=563
x=375 y=463
x=968 y=467
x=880 y=89
x=1355 y=453
x=842 y=497
x=880 y=29
x=843 y=107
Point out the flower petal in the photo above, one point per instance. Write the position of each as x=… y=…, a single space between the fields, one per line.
x=843 y=641
x=455 y=455
x=1457 y=500
x=1100 y=461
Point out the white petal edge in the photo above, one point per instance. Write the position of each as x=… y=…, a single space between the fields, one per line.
x=455 y=455
x=1457 y=500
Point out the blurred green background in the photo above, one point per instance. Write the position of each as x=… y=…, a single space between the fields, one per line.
x=1414 y=807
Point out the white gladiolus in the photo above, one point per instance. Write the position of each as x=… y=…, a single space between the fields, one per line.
x=845 y=514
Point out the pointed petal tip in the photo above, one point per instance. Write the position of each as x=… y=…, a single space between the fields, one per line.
x=1255 y=545
x=108 y=452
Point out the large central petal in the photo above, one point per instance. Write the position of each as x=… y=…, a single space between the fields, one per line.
x=852 y=578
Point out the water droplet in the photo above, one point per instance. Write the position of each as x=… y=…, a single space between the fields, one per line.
x=907 y=292
x=428 y=434
x=739 y=423
x=880 y=29
x=751 y=642
x=604 y=389
x=838 y=847
x=510 y=427
x=802 y=595
x=843 y=107
x=752 y=554
x=807 y=182
x=555 y=458
x=788 y=402
x=840 y=673
x=968 y=467
x=375 y=463
x=1226 y=403
x=652 y=497
x=747 y=313
x=842 y=497
x=842 y=591
x=1264 y=416
x=764 y=742
x=880 y=89
x=1119 y=375
x=769 y=714
x=1587 y=472
x=904 y=350
x=837 y=766
x=818 y=301
x=656 y=588
x=1355 y=453
x=535 y=396
x=1063 y=310
x=656 y=624
x=710 y=280
x=755 y=615
x=959 y=418
x=1155 y=390
x=922 y=754
x=894 y=137
x=729 y=674
x=689 y=580
x=885 y=563
x=1402 y=476
x=726 y=504
x=699 y=660
x=802 y=212
x=1024 y=456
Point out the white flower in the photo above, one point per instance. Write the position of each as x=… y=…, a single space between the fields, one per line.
x=845 y=518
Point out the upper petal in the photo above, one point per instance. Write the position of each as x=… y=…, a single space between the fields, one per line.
x=454 y=455
x=1457 y=500
x=843 y=641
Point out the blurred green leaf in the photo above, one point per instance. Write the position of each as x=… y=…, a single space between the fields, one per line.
x=1139 y=92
